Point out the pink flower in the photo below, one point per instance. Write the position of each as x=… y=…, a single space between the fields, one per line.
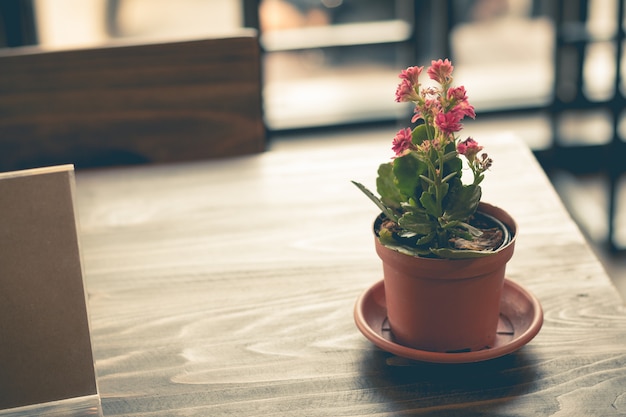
x=470 y=148
x=411 y=74
x=406 y=92
x=457 y=94
x=431 y=92
x=465 y=109
x=428 y=145
x=449 y=122
x=425 y=146
x=428 y=110
x=402 y=141
x=485 y=162
x=417 y=114
x=441 y=71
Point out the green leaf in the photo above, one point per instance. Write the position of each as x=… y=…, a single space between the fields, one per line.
x=422 y=133
x=448 y=253
x=453 y=165
x=429 y=202
x=408 y=250
x=458 y=232
x=386 y=210
x=416 y=222
x=449 y=156
x=450 y=147
x=425 y=240
x=386 y=237
x=386 y=186
x=443 y=190
x=407 y=170
x=462 y=201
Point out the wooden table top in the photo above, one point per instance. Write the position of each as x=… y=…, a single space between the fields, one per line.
x=227 y=288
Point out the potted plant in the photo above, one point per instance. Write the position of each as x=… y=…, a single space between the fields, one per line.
x=444 y=251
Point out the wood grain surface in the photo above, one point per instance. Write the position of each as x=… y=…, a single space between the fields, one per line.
x=131 y=103
x=226 y=288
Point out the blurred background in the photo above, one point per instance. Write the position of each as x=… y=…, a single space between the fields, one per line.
x=551 y=71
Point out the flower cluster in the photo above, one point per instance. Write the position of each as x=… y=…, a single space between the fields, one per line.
x=426 y=205
x=441 y=108
x=469 y=148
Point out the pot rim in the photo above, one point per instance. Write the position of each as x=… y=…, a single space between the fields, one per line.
x=505 y=250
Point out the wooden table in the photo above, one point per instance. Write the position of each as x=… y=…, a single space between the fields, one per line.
x=226 y=288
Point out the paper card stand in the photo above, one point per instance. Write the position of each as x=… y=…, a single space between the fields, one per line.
x=45 y=345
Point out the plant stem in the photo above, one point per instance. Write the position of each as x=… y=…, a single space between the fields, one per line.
x=439 y=182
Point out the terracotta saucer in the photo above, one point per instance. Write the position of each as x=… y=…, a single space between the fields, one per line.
x=521 y=318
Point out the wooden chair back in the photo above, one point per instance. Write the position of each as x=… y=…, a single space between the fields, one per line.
x=122 y=104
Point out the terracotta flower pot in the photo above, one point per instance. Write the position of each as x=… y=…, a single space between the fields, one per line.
x=446 y=305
